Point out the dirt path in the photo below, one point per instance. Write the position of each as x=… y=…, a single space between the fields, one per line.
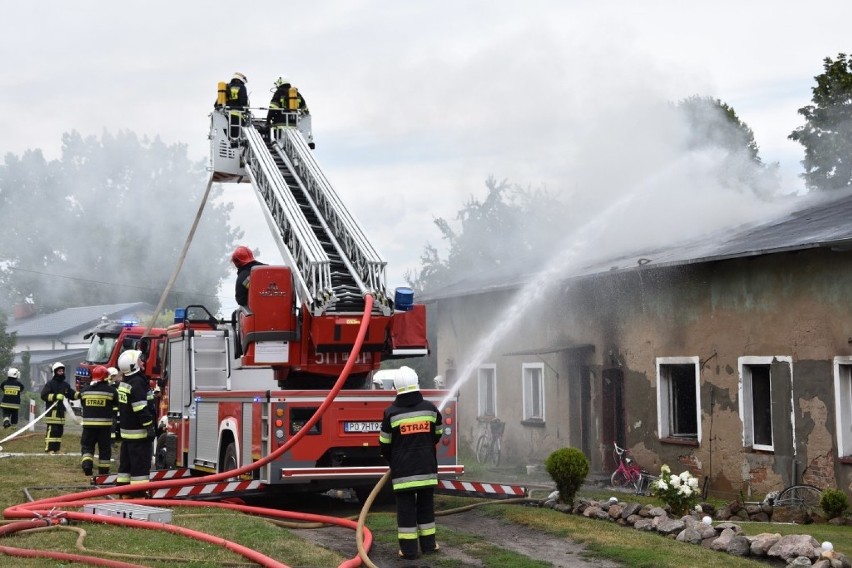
x=559 y=552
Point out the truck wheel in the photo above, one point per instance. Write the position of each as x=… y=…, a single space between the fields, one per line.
x=229 y=458
x=166 y=455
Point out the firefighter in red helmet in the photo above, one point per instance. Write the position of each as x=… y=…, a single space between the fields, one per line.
x=244 y=261
x=100 y=407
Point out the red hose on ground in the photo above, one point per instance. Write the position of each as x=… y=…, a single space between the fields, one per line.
x=27 y=510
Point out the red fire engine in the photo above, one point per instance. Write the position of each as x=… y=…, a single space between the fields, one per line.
x=233 y=391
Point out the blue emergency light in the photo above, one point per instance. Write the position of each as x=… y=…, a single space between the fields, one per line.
x=180 y=315
x=403 y=299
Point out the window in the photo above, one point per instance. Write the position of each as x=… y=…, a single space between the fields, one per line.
x=843 y=404
x=678 y=398
x=533 y=391
x=756 y=401
x=487 y=386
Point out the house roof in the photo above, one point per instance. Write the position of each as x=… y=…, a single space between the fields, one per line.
x=39 y=357
x=71 y=320
x=823 y=222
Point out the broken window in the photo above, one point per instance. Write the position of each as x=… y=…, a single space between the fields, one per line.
x=533 y=379
x=487 y=387
x=756 y=389
x=678 y=403
x=843 y=405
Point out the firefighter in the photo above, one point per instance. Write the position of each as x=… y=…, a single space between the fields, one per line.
x=287 y=103
x=56 y=390
x=411 y=427
x=135 y=420
x=244 y=261
x=11 y=401
x=100 y=404
x=236 y=104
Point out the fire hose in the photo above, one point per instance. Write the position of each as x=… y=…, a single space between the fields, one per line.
x=45 y=510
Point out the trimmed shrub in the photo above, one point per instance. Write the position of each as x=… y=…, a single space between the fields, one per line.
x=568 y=468
x=834 y=502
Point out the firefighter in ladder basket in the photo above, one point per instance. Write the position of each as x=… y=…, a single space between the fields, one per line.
x=411 y=428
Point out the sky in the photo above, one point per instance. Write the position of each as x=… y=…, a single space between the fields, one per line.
x=416 y=104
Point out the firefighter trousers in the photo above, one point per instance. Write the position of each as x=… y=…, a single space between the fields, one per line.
x=53 y=438
x=415 y=520
x=134 y=461
x=93 y=436
x=10 y=417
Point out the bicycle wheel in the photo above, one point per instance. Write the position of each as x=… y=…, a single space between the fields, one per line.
x=805 y=496
x=494 y=453
x=620 y=478
x=481 y=449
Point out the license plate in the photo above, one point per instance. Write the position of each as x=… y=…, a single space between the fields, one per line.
x=362 y=427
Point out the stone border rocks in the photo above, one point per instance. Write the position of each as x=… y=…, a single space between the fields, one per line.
x=722 y=535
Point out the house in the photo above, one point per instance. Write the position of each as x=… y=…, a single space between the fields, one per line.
x=60 y=336
x=730 y=357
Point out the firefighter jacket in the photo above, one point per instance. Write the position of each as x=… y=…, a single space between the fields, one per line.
x=12 y=389
x=54 y=387
x=134 y=415
x=243 y=280
x=100 y=404
x=236 y=95
x=281 y=102
x=410 y=429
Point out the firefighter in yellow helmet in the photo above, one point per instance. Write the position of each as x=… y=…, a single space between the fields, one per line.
x=411 y=427
x=56 y=390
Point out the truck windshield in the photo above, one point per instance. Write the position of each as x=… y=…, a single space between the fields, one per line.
x=101 y=348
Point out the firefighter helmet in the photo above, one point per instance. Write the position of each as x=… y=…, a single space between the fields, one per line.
x=242 y=255
x=99 y=373
x=405 y=380
x=112 y=372
x=281 y=81
x=57 y=365
x=241 y=77
x=13 y=373
x=129 y=362
x=439 y=382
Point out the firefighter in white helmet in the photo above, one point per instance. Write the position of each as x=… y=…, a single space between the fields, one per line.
x=411 y=428
x=11 y=401
x=55 y=391
x=135 y=421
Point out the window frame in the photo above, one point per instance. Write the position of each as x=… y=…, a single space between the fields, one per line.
x=526 y=389
x=746 y=400
x=486 y=373
x=664 y=392
x=843 y=401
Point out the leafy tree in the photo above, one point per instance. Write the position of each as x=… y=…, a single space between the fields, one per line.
x=827 y=132
x=7 y=344
x=714 y=123
x=509 y=225
x=106 y=223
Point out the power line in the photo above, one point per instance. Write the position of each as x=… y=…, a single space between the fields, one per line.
x=118 y=284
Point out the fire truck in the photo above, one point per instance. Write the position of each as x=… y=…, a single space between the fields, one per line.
x=235 y=390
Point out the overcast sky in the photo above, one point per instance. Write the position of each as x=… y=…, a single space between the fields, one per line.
x=415 y=104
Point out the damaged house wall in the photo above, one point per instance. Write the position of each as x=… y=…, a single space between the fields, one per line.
x=726 y=367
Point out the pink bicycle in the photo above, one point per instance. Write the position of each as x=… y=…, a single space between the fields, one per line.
x=628 y=474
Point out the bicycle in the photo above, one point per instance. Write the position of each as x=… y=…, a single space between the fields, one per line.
x=488 y=445
x=628 y=474
x=805 y=498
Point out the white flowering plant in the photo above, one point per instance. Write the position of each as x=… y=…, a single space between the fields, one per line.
x=678 y=491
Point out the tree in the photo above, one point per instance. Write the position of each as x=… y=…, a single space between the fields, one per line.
x=827 y=132
x=106 y=224
x=714 y=123
x=510 y=227
x=7 y=344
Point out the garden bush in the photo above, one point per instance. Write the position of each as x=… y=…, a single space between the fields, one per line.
x=679 y=492
x=833 y=502
x=568 y=468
